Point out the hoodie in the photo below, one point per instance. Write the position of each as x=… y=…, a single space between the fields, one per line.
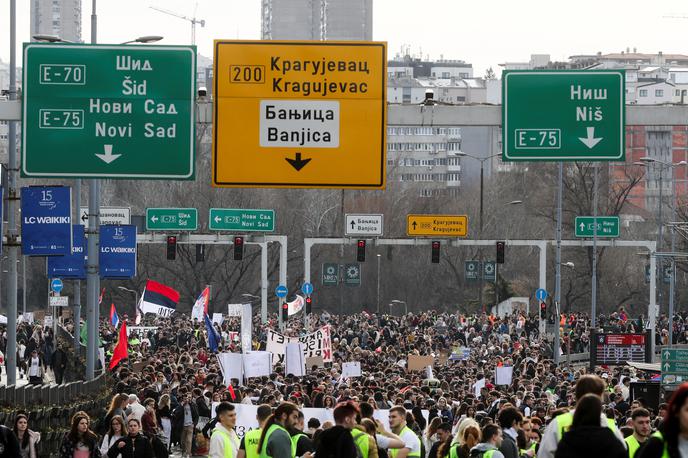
x=483 y=447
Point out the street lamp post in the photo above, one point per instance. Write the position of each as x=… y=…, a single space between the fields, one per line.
x=480 y=219
x=136 y=296
x=378 y=282
x=644 y=161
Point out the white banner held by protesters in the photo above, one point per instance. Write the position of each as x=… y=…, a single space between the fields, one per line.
x=317 y=343
x=257 y=364
x=246 y=328
x=246 y=417
x=218 y=318
x=234 y=309
x=295 y=362
x=232 y=366
x=352 y=369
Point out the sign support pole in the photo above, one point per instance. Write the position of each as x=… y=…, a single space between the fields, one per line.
x=92 y=279
x=595 y=197
x=264 y=282
x=77 y=283
x=12 y=248
x=557 y=268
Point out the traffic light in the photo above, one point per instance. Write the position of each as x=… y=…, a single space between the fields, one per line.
x=500 y=252
x=285 y=312
x=171 y=247
x=238 y=248
x=435 y=252
x=543 y=311
x=309 y=304
x=360 y=253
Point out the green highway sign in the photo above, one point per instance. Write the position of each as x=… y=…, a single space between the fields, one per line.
x=607 y=226
x=675 y=354
x=680 y=367
x=108 y=111
x=171 y=219
x=241 y=220
x=563 y=115
x=674 y=366
x=330 y=274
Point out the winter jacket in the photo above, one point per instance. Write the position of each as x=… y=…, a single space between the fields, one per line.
x=138 y=446
x=67 y=447
x=589 y=441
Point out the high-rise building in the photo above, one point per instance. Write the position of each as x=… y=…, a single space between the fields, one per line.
x=61 y=18
x=317 y=20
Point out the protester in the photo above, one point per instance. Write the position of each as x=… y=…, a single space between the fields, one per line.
x=134 y=445
x=640 y=419
x=27 y=438
x=586 y=436
x=116 y=431
x=492 y=440
x=275 y=441
x=224 y=441
x=248 y=448
x=80 y=441
x=670 y=440
x=9 y=445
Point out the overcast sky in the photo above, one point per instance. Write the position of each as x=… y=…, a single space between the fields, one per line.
x=484 y=33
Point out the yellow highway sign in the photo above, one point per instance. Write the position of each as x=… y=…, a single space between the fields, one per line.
x=299 y=114
x=437 y=225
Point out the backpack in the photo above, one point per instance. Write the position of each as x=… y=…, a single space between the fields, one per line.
x=159 y=448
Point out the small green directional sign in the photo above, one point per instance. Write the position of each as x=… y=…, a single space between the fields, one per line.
x=241 y=220
x=171 y=219
x=674 y=366
x=607 y=226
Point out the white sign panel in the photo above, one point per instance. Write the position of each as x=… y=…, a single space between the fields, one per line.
x=235 y=309
x=363 y=224
x=108 y=215
x=299 y=124
x=59 y=301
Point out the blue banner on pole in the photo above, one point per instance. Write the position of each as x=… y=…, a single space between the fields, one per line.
x=46 y=222
x=118 y=251
x=73 y=265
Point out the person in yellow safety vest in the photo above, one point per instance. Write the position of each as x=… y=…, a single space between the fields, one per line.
x=671 y=441
x=248 y=447
x=558 y=426
x=300 y=442
x=275 y=441
x=489 y=447
x=397 y=421
x=641 y=431
x=224 y=442
x=530 y=444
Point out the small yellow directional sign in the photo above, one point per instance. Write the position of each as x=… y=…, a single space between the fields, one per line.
x=437 y=225
x=299 y=114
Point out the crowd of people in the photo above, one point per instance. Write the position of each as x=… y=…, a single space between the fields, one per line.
x=170 y=394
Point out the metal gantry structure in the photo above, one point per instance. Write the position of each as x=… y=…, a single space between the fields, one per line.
x=399 y=115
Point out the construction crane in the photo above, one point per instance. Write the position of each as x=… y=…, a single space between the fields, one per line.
x=192 y=20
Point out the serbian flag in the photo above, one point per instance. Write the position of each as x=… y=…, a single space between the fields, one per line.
x=230 y=388
x=114 y=318
x=122 y=348
x=200 y=307
x=213 y=338
x=159 y=299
